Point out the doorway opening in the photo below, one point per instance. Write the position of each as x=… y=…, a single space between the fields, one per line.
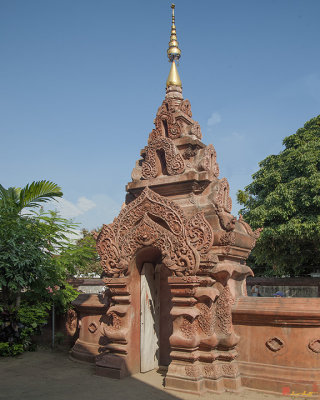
x=155 y=320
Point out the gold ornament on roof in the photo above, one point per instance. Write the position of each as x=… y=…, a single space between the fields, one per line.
x=174 y=53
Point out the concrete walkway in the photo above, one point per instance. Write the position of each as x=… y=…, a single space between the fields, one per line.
x=47 y=375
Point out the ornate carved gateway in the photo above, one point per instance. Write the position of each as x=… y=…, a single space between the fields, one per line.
x=177 y=218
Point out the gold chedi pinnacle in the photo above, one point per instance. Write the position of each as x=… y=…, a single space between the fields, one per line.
x=174 y=53
x=173 y=78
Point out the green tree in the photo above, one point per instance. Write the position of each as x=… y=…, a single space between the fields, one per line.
x=23 y=256
x=22 y=259
x=284 y=199
x=31 y=196
x=82 y=257
x=30 y=247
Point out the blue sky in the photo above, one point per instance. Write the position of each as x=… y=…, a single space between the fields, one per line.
x=81 y=81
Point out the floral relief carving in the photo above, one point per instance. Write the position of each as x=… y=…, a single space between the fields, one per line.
x=196 y=130
x=185 y=107
x=190 y=152
x=200 y=233
x=148 y=220
x=187 y=328
x=176 y=252
x=212 y=371
x=230 y=370
x=165 y=121
x=168 y=120
x=215 y=371
x=191 y=279
x=206 y=319
x=223 y=311
x=208 y=161
x=113 y=321
x=223 y=198
x=193 y=370
x=227 y=239
x=202 y=324
x=173 y=160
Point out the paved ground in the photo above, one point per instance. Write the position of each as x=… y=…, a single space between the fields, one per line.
x=48 y=375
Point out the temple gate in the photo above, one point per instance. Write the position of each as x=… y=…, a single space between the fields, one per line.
x=175 y=258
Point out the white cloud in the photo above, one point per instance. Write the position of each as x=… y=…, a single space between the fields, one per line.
x=214 y=119
x=89 y=213
x=85 y=204
x=67 y=209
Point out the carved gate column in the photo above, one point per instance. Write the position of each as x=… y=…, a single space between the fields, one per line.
x=203 y=340
x=117 y=356
x=184 y=371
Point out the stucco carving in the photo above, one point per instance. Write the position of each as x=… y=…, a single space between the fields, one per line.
x=187 y=328
x=227 y=239
x=113 y=321
x=71 y=322
x=193 y=370
x=165 y=121
x=212 y=371
x=173 y=160
x=190 y=152
x=208 y=161
x=223 y=198
x=196 y=130
x=152 y=220
x=253 y=234
x=206 y=319
x=200 y=233
x=223 y=311
x=185 y=107
x=230 y=369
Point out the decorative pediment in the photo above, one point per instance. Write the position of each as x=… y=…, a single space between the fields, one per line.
x=154 y=221
x=174 y=120
x=172 y=161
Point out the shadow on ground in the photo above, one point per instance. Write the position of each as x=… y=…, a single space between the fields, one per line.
x=48 y=375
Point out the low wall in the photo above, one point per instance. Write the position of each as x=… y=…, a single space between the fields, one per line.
x=88 y=285
x=279 y=347
x=279 y=343
x=291 y=287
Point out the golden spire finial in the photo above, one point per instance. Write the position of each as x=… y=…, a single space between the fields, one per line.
x=174 y=53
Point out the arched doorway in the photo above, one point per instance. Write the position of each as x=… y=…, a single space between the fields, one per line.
x=155 y=321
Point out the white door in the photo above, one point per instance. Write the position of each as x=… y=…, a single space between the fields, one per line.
x=149 y=347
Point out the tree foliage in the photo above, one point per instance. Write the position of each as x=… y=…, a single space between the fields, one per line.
x=284 y=199
x=82 y=257
x=24 y=256
x=22 y=259
x=30 y=248
x=30 y=196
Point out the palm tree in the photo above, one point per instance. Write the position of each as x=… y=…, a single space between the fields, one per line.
x=23 y=253
x=16 y=199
